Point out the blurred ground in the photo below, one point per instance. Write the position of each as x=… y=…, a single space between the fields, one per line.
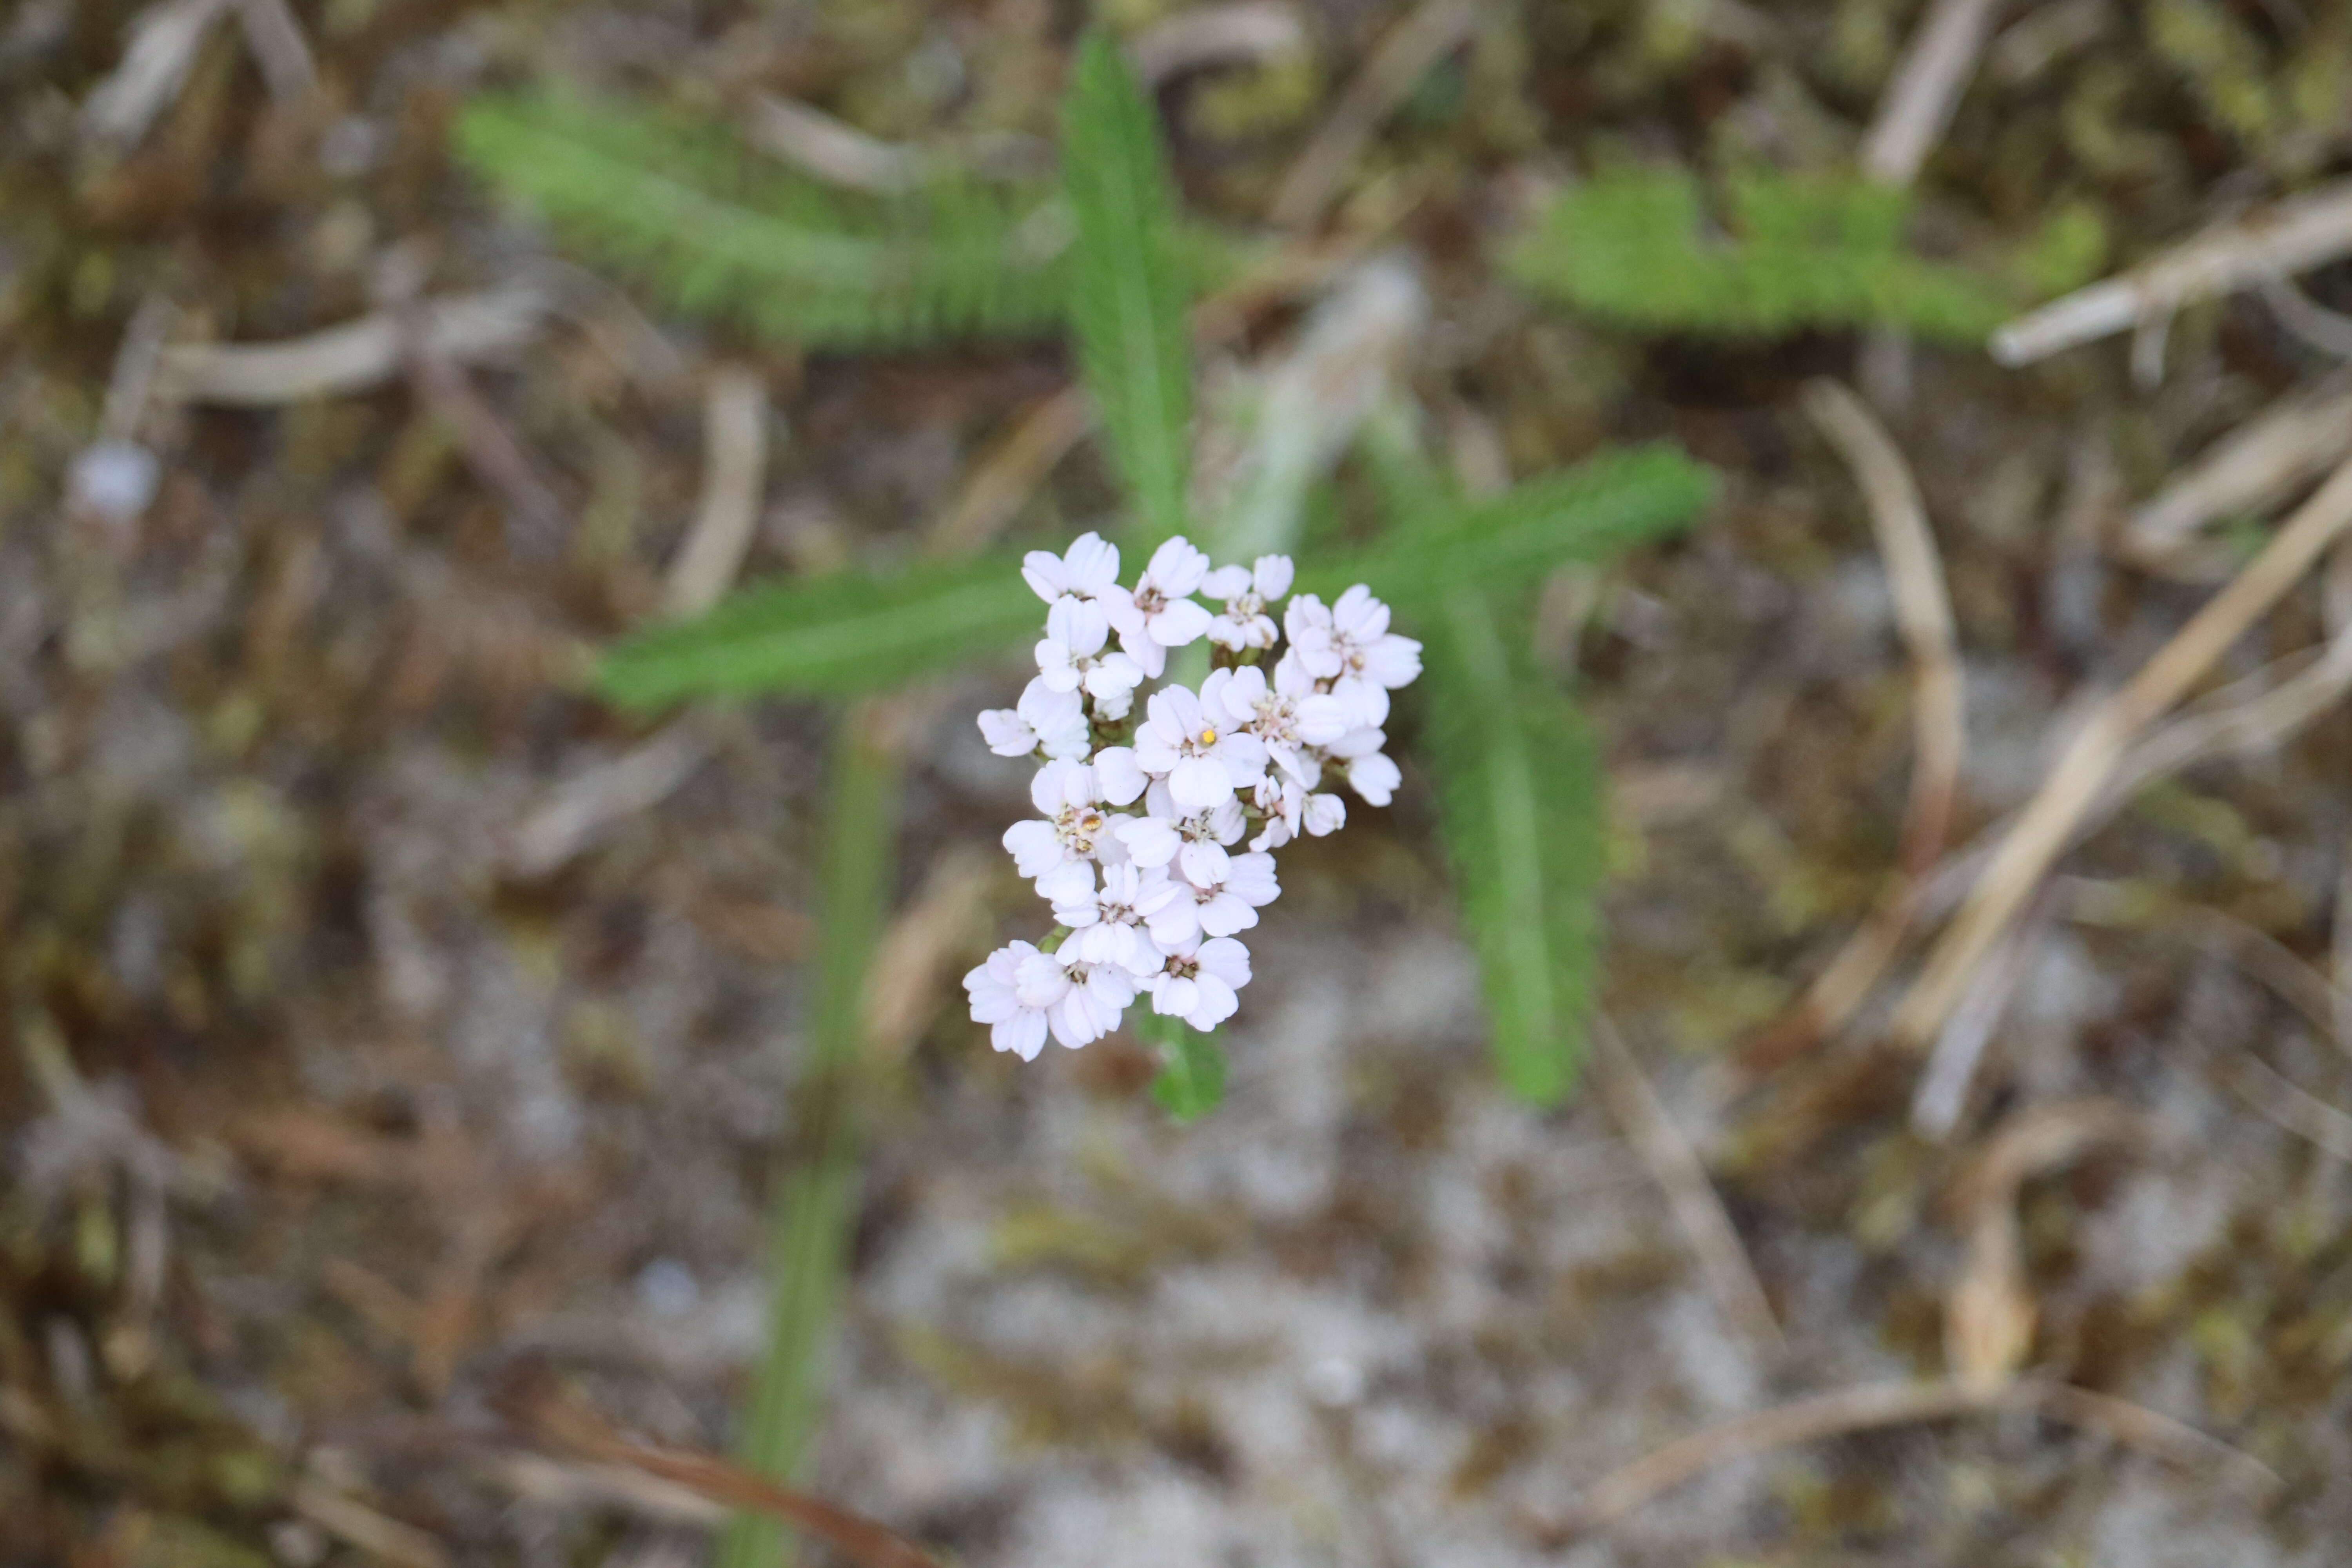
x=386 y=1014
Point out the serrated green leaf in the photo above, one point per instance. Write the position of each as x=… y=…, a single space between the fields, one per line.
x=1192 y=1082
x=1126 y=297
x=851 y=632
x=1518 y=782
x=1600 y=509
x=863 y=632
x=723 y=233
x=1633 y=247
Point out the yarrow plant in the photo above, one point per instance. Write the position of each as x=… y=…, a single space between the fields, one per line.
x=1138 y=841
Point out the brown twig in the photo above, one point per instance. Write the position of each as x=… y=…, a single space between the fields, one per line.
x=1925 y=89
x=535 y=524
x=1922 y=616
x=545 y=1411
x=1002 y=482
x=1989 y=1315
x=2292 y=235
x=1706 y=1225
x=1871 y=1406
x=1426 y=36
x=2291 y=1106
x=2295 y=440
x=734 y=473
x=465 y=328
x=2043 y=831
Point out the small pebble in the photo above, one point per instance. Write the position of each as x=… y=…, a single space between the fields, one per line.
x=114 y=480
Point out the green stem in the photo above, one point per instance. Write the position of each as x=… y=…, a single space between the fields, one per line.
x=815 y=1201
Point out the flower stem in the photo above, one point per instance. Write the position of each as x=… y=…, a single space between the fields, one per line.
x=815 y=1200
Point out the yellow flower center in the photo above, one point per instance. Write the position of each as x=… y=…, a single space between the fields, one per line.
x=1208 y=737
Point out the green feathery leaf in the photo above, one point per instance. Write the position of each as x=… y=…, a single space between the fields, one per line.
x=1633 y=247
x=858 y=631
x=835 y=635
x=1126 y=297
x=722 y=232
x=1192 y=1082
x=1519 y=804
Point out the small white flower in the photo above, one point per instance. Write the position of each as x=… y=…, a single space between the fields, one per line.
x=1350 y=645
x=1059 y=852
x=1246 y=592
x=998 y=1001
x=1024 y=995
x=1107 y=926
x=1160 y=614
x=1199 y=981
x=1370 y=773
x=1192 y=745
x=1048 y=720
x=1218 y=907
x=1168 y=834
x=1072 y=656
x=1287 y=715
x=1290 y=811
x=1088 y=570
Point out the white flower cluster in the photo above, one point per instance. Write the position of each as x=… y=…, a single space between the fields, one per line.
x=1148 y=900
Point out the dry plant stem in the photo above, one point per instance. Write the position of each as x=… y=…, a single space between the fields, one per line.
x=600 y=796
x=2329 y=331
x=2292 y=236
x=1871 y=1406
x=1247 y=30
x=466 y=327
x=1990 y=1316
x=2293 y=441
x=818 y=144
x=1005 y=480
x=1925 y=89
x=276 y=38
x=564 y=1423
x=2290 y=1106
x=164 y=42
x=1943 y=1089
x=535 y=524
x=734 y=475
x=1426 y=36
x=2302 y=987
x=1922 y=613
x=348 y=1519
x=1707 y=1228
x=2043 y=831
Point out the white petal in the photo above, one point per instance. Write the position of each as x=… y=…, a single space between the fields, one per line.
x=1024 y=1034
x=1176 y=925
x=1182 y=622
x=1393 y=661
x=1007 y=733
x=1066 y=882
x=1149 y=841
x=1227 y=582
x=1177 y=996
x=1118 y=775
x=1243 y=693
x=1273 y=575
x=1199 y=782
x=1326 y=814
x=1225 y=915
x=1035 y=846
x=1203 y=864
x=1093 y=563
x=1079 y=625
x=1226 y=959
x=1217 y=1003
x=1375 y=778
